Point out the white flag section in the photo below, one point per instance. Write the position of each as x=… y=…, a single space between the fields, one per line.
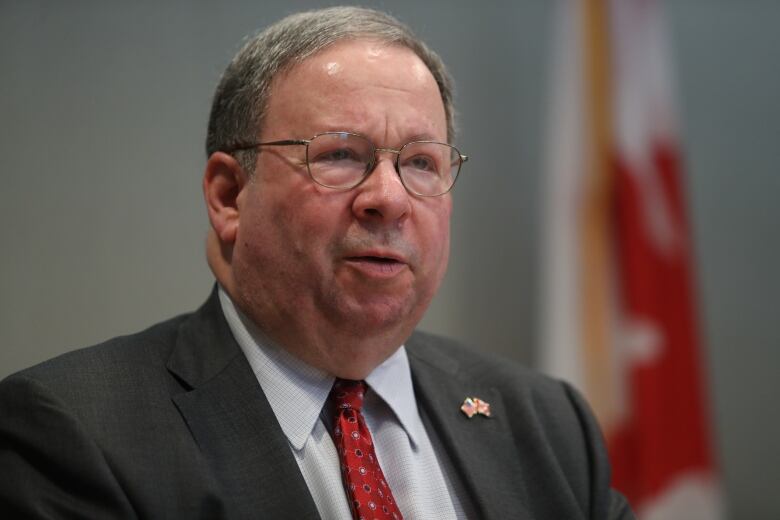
x=619 y=310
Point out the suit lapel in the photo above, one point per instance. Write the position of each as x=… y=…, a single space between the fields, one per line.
x=233 y=423
x=240 y=438
x=481 y=449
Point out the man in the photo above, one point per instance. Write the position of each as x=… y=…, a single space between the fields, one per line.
x=300 y=389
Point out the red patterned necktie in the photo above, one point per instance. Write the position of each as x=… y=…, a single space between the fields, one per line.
x=367 y=491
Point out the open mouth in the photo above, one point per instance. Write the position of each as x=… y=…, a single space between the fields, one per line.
x=381 y=260
x=377 y=266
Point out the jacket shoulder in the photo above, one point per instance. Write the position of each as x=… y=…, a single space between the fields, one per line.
x=470 y=362
x=147 y=348
x=549 y=420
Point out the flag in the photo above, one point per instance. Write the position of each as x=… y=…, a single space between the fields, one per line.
x=619 y=316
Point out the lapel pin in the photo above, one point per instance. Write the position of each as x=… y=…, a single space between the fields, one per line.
x=475 y=406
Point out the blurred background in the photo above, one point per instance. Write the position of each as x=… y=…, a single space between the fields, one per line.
x=103 y=110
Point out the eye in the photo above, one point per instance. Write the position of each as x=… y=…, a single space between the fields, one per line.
x=337 y=155
x=421 y=163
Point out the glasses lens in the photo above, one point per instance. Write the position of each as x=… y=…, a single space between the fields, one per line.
x=339 y=159
x=428 y=168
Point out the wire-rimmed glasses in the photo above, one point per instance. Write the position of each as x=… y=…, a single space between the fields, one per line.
x=342 y=160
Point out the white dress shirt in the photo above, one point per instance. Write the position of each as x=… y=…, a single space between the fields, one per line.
x=297 y=394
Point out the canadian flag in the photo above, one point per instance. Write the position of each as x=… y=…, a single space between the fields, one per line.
x=618 y=303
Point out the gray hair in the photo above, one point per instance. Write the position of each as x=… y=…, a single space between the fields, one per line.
x=241 y=99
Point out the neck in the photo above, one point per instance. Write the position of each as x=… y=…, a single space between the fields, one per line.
x=336 y=348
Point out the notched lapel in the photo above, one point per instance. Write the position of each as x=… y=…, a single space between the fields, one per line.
x=233 y=423
x=482 y=449
x=239 y=436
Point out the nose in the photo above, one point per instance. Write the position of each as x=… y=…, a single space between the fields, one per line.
x=382 y=197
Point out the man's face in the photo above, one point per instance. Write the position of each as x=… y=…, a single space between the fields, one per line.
x=317 y=265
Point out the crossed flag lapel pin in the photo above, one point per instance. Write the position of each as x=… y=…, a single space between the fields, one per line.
x=475 y=406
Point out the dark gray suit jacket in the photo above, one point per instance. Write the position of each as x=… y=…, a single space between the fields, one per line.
x=171 y=423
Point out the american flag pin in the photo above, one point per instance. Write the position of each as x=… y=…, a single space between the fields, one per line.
x=475 y=406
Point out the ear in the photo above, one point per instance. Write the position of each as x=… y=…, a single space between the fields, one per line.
x=223 y=181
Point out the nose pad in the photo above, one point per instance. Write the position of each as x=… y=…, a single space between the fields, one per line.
x=392 y=159
x=386 y=169
x=382 y=195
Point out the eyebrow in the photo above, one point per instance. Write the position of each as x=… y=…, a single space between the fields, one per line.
x=411 y=138
x=423 y=137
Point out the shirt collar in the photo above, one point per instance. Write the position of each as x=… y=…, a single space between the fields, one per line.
x=297 y=391
x=392 y=381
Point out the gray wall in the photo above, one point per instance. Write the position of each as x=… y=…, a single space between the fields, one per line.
x=103 y=111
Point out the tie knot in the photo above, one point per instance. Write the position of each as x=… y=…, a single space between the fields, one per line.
x=347 y=393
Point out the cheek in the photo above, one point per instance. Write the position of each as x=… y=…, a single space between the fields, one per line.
x=311 y=226
x=437 y=238
x=263 y=228
x=299 y=230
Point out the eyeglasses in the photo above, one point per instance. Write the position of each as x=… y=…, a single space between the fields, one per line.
x=342 y=160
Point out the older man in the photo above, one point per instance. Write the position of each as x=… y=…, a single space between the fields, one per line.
x=300 y=389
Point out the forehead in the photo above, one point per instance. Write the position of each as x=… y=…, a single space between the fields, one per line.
x=361 y=83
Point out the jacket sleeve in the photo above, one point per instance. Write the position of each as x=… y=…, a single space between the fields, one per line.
x=606 y=503
x=49 y=465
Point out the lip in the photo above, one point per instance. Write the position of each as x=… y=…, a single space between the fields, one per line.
x=376 y=263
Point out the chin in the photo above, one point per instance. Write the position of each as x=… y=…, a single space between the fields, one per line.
x=354 y=370
x=378 y=317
